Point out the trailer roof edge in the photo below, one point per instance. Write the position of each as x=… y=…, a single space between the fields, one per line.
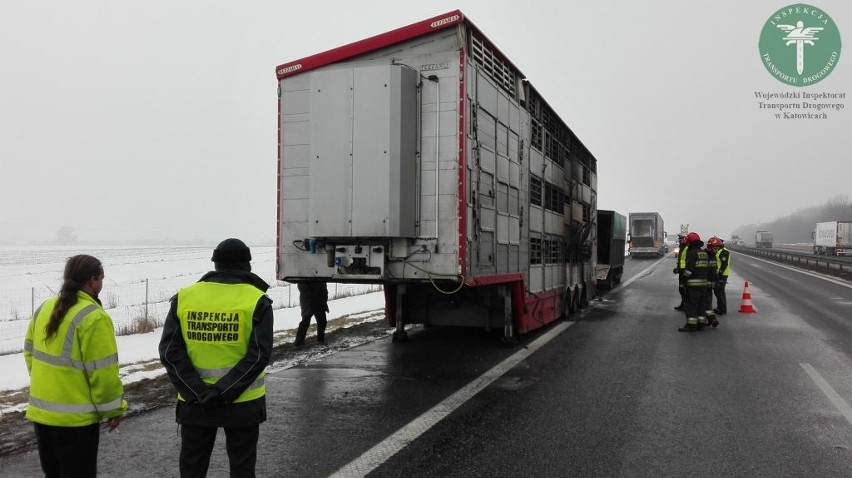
x=399 y=35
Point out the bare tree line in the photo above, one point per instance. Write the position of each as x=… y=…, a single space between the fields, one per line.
x=798 y=226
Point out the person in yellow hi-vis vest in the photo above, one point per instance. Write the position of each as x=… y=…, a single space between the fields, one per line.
x=216 y=344
x=72 y=359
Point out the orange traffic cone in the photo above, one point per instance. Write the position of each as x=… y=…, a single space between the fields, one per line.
x=747 y=307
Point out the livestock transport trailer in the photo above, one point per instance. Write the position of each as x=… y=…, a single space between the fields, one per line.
x=424 y=160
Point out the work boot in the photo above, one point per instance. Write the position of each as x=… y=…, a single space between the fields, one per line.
x=679 y=307
x=715 y=322
x=690 y=326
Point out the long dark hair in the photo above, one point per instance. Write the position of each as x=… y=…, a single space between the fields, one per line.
x=78 y=270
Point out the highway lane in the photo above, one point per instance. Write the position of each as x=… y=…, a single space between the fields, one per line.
x=615 y=392
x=622 y=393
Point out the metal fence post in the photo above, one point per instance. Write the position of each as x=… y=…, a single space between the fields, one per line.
x=146 y=299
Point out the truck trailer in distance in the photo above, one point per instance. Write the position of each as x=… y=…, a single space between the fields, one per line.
x=833 y=238
x=646 y=235
x=612 y=234
x=763 y=239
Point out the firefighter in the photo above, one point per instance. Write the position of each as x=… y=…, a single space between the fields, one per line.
x=72 y=359
x=695 y=266
x=681 y=282
x=712 y=273
x=723 y=259
x=216 y=343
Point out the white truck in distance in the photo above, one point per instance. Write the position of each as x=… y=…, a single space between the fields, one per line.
x=833 y=238
x=763 y=239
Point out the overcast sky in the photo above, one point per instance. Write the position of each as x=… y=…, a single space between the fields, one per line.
x=157 y=119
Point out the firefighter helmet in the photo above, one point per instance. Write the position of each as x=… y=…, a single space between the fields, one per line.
x=714 y=242
x=692 y=237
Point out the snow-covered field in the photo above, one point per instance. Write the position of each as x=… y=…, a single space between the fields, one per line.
x=29 y=275
x=138 y=282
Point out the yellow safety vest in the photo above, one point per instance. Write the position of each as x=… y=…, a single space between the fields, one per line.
x=724 y=272
x=216 y=324
x=74 y=379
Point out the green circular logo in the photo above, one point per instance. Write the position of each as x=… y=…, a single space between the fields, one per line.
x=800 y=45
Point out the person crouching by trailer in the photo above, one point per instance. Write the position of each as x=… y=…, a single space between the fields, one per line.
x=695 y=267
x=681 y=281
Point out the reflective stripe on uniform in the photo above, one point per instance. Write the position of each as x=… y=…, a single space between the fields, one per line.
x=65 y=359
x=68 y=408
x=75 y=364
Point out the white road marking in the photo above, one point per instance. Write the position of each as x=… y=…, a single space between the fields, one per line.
x=829 y=392
x=382 y=451
x=801 y=271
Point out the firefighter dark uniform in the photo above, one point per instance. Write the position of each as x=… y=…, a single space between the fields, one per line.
x=216 y=344
x=681 y=282
x=709 y=315
x=695 y=267
x=723 y=258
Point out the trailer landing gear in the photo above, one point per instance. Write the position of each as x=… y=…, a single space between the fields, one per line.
x=508 y=320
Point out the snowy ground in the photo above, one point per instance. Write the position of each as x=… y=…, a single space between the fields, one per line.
x=167 y=268
x=138 y=282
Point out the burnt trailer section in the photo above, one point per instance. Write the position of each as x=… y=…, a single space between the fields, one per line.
x=424 y=160
x=611 y=248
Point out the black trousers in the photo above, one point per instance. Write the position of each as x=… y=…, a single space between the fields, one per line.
x=721 y=299
x=68 y=452
x=695 y=305
x=197 y=445
x=302 y=330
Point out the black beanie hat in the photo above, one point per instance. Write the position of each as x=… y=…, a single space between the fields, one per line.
x=231 y=250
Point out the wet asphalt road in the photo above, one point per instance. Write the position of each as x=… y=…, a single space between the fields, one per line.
x=618 y=392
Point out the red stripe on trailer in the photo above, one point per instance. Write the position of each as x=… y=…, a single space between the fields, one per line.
x=462 y=207
x=392 y=37
x=495 y=279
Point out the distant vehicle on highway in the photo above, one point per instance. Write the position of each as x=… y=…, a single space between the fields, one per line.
x=763 y=239
x=833 y=238
x=646 y=234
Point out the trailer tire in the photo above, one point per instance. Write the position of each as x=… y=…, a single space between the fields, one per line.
x=584 y=297
x=573 y=303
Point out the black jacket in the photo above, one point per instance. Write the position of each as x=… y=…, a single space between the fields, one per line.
x=173 y=355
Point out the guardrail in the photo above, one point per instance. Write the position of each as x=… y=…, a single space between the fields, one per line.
x=836 y=266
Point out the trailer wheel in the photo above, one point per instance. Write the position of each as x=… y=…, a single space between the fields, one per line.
x=566 y=305
x=575 y=301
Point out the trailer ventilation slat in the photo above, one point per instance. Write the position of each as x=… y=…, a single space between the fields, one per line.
x=496 y=69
